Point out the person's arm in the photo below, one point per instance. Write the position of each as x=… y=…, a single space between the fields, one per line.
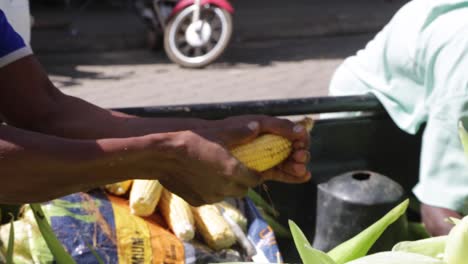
x=29 y=100
x=434 y=219
x=35 y=167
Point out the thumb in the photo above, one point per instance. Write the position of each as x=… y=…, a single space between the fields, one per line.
x=238 y=135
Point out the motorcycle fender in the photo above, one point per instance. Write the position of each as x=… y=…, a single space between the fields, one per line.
x=185 y=3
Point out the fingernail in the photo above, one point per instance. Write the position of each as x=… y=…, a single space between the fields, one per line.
x=298 y=128
x=253 y=125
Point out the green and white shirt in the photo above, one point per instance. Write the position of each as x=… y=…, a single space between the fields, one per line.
x=417 y=66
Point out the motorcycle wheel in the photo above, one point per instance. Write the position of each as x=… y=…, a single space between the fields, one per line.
x=196 y=45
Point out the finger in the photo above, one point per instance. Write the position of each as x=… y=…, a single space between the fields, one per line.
x=303 y=143
x=283 y=127
x=240 y=134
x=301 y=156
x=246 y=177
x=280 y=175
x=293 y=168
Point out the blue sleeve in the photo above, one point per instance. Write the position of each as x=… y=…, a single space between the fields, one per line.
x=12 y=46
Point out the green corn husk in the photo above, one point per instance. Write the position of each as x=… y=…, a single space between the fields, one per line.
x=359 y=245
x=396 y=258
x=432 y=247
x=280 y=230
x=463 y=134
x=56 y=248
x=457 y=244
x=260 y=202
x=11 y=243
x=417 y=231
x=21 y=253
x=309 y=255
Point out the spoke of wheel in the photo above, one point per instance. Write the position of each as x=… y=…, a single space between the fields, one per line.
x=209 y=15
x=216 y=24
x=209 y=46
x=198 y=52
x=180 y=38
x=215 y=35
x=186 y=49
x=184 y=25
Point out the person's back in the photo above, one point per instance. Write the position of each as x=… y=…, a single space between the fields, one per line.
x=417 y=66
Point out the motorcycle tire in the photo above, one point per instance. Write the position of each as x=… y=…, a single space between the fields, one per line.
x=180 y=51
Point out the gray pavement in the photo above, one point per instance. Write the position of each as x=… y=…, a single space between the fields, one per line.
x=280 y=49
x=249 y=70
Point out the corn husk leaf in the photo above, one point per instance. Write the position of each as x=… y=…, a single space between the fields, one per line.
x=359 y=245
x=453 y=220
x=260 y=202
x=396 y=258
x=56 y=248
x=463 y=134
x=457 y=244
x=432 y=247
x=95 y=254
x=417 y=231
x=11 y=242
x=280 y=230
x=22 y=253
x=308 y=254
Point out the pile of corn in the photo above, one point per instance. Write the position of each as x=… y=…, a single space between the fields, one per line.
x=211 y=221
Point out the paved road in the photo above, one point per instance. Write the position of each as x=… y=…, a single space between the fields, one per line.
x=281 y=68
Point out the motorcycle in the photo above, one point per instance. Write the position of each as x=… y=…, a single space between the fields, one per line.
x=194 y=33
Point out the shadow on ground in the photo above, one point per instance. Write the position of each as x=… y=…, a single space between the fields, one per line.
x=239 y=54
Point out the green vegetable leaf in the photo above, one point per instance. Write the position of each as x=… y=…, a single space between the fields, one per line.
x=58 y=251
x=11 y=242
x=431 y=247
x=259 y=201
x=396 y=258
x=279 y=229
x=457 y=243
x=309 y=255
x=463 y=136
x=96 y=255
x=453 y=220
x=359 y=245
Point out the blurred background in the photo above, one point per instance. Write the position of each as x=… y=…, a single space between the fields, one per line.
x=105 y=52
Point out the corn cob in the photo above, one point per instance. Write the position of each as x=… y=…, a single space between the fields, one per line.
x=178 y=215
x=211 y=224
x=266 y=151
x=119 y=188
x=234 y=214
x=144 y=196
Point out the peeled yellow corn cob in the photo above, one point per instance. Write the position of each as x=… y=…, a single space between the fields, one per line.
x=235 y=214
x=178 y=215
x=266 y=151
x=119 y=188
x=216 y=233
x=144 y=196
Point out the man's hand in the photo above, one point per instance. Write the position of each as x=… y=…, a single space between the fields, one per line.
x=434 y=219
x=200 y=169
x=294 y=169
